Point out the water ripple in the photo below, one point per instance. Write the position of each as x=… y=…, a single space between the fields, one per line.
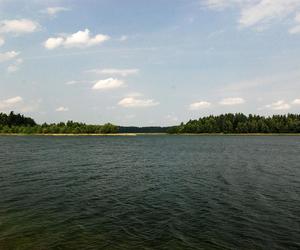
x=152 y=192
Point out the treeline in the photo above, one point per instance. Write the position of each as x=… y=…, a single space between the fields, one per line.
x=143 y=129
x=19 y=124
x=240 y=123
x=228 y=123
x=15 y=120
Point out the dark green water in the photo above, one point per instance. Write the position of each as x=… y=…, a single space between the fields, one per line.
x=150 y=192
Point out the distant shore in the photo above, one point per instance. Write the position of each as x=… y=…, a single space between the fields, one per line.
x=154 y=134
x=228 y=124
x=242 y=134
x=20 y=134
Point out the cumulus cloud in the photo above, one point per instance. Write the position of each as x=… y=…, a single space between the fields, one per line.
x=53 y=43
x=11 y=55
x=15 y=66
x=123 y=38
x=296 y=28
x=266 y=10
x=72 y=82
x=232 y=101
x=52 y=11
x=6 y=56
x=264 y=88
x=12 y=68
x=121 y=72
x=110 y=83
x=279 y=105
x=18 y=26
x=296 y=102
x=10 y=102
x=134 y=102
x=254 y=12
x=80 y=39
x=2 y=41
x=297 y=17
x=199 y=105
x=62 y=109
x=18 y=104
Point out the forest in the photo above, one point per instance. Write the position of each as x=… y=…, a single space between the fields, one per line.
x=240 y=124
x=227 y=124
x=19 y=124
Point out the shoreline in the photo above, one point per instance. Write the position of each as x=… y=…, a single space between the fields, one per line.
x=152 y=134
x=123 y=134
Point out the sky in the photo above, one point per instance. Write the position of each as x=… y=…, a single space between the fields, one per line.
x=145 y=63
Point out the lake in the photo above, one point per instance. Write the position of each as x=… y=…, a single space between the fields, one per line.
x=150 y=192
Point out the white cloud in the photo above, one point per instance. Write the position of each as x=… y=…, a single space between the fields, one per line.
x=72 y=82
x=18 y=26
x=255 y=12
x=62 y=109
x=53 y=43
x=296 y=28
x=199 y=105
x=121 y=72
x=232 y=101
x=52 y=11
x=6 y=56
x=15 y=66
x=11 y=55
x=133 y=102
x=17 y=104
x=266 y=10
x=80 y=39
x=2 y=41
x=279 y=105
x=110 y=83
x=263 y=81
x=296 y=102
x=265 y=87
x=13 y=100
x=10 y=103
x=222 y=4
x=297 y=17
x=12 y=68
x=123 y=38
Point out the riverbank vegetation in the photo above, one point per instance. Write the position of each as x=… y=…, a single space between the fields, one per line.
x=240 y=124
x=19 y=124
x=226 y=124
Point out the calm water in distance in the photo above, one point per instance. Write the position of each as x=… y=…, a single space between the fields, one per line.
x=150 y=192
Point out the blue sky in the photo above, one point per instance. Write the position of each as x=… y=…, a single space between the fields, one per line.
x=140 y=62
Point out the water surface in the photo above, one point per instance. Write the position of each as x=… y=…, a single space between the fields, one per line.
x=150 y=192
